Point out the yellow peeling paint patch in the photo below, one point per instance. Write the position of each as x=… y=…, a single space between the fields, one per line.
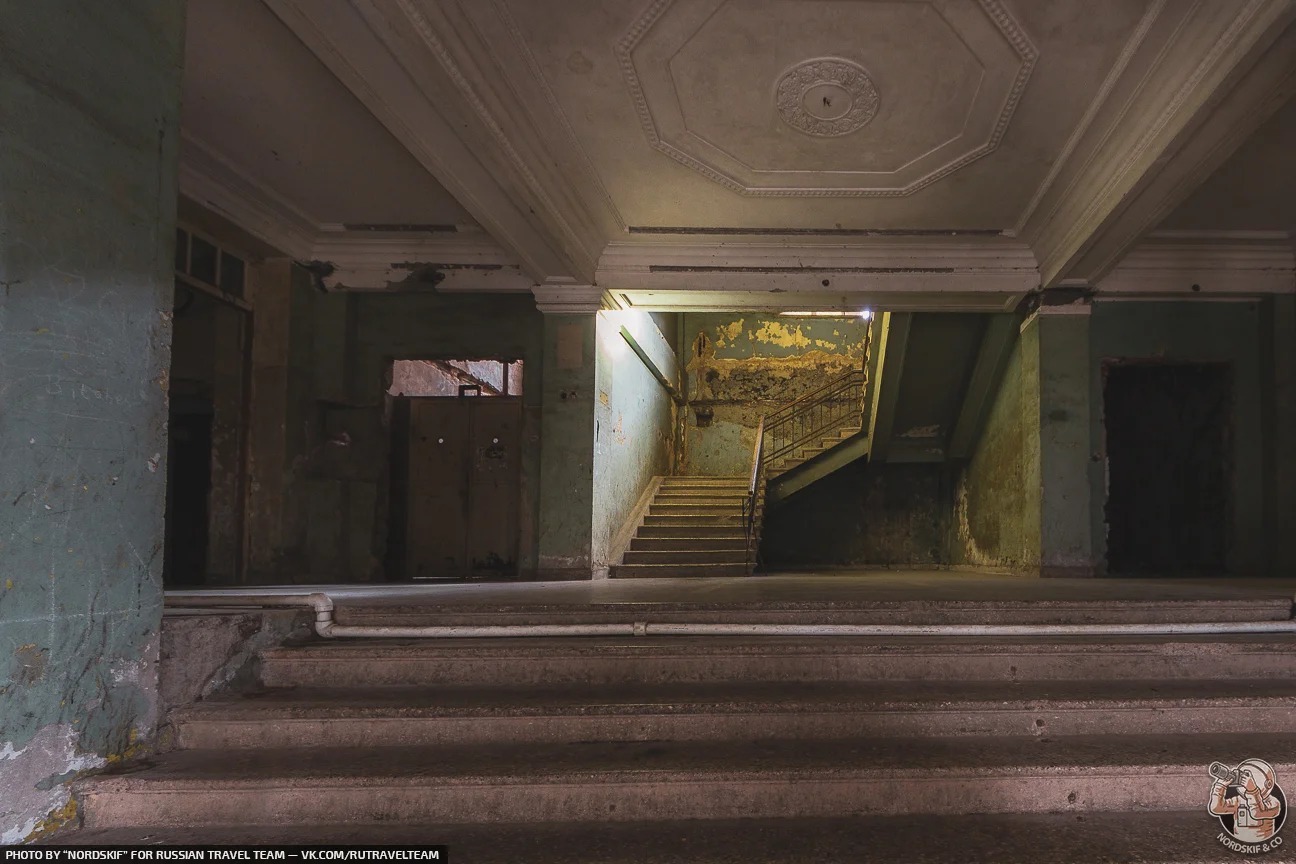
x=8 y=584
x=774 y=333
x=728 y=333
x=60 y=818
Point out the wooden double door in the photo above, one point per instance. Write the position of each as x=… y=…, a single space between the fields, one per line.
x=463 y=484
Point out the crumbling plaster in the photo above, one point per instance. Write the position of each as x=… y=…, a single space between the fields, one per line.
x=87 y=209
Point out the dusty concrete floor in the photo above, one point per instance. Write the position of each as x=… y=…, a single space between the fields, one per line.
x=856 y=586
x=1094 y=838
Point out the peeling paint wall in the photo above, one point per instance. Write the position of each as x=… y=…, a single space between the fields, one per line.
x=739 y=366
x=996 y=495
x=634 y=421
x=87 y=216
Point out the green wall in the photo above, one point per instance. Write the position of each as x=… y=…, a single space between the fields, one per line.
x=88 y=143
x=1168 y=332
x=997 y=493
x=634 y=424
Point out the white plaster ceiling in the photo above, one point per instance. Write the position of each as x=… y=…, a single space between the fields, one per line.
x=259 y=104
x=677 y=105
x=1255 y=190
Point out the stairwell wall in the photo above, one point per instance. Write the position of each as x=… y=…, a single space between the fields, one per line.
x=634 y=422
x=739 y=366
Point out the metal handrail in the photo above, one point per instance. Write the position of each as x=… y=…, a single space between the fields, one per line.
x=815 y=418
x=791 y=406
x=753 y=488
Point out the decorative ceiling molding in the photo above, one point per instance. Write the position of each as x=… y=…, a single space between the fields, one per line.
x=569 y=297
x=218 y=184
x=465 y=262
x=1210 y=75
x=369 y=45
x=1168 y=267
x=695 y=151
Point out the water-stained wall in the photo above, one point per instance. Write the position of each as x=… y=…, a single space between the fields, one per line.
x=996 y=518
x=739 y=366
x=87 y=216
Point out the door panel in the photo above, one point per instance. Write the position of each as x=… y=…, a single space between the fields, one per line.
x=464 y=486
x=493 y=486
x=438 y=488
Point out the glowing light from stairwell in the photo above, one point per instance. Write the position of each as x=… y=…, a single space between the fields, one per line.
x=866 y=314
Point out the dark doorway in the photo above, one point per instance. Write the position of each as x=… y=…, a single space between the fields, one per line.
x=1167 y=460
x=189 y=451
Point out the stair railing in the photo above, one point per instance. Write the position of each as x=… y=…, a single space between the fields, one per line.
x=751 y=504
x=812 y=416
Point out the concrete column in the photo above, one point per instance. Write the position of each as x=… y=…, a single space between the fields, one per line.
x=224 y=534
x=567 y=430
x=1059 y=338
x=269 y=285
x=91 y=95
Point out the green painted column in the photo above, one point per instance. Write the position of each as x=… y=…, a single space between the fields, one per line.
x=90 y=96
x=1059 y=410
x=567 y=418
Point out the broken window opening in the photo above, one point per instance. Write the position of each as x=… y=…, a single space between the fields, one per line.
x=456 y=378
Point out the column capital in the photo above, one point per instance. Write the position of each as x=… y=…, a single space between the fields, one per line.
x=561 y=295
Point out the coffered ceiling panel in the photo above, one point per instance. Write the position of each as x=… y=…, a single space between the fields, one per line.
x=811 y=114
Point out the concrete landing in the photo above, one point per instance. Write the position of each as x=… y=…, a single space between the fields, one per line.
x=863 y=597
x=1077 y=838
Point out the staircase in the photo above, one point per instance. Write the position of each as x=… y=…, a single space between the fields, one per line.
x=1008 y=749
x=694 y=527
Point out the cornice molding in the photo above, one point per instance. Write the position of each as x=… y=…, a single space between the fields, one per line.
x=569 y=297
x=452 y=262
x=987 y=274
x=1166 y=268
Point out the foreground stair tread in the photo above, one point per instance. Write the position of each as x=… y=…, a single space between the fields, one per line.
x=679 y=698
x=1089 y=838
x=689 y=761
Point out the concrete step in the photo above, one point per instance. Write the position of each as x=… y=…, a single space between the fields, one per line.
x=705 y=480
x=642 y=781
x=657 y=530
x=719 y=520
x=677 y=570
x=700 y=497
x=700 y=544
x=658 y=508
x=686 y=556
x=772 y=610
x=1173 y=837
x=495 y=662
x=390 y=717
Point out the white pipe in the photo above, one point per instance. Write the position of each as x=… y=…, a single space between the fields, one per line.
x=326 y=628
